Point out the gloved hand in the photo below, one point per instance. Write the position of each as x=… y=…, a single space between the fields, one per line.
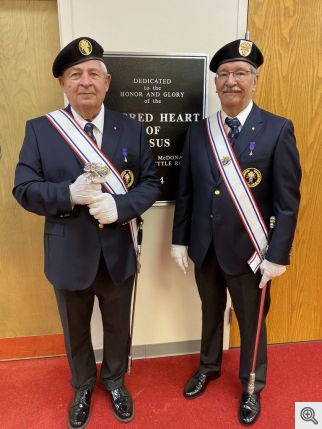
x=83 y=191
x=270 y=270
x=180 y=254
x=104 y=208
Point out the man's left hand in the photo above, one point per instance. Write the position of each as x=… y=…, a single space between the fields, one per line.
x=104 y=209
x=270 y=270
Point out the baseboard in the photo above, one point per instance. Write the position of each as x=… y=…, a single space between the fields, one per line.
x=158 y=350
x=32 y=347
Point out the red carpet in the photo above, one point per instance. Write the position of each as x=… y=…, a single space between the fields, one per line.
x=34 y=394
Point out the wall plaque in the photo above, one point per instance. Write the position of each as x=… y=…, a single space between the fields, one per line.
x=165 y=91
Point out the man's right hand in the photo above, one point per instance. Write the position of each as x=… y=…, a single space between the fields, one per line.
x=180 y=254
x=84 y=192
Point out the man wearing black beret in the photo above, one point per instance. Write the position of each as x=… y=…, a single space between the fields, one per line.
x=239 y=168
x=91 y=173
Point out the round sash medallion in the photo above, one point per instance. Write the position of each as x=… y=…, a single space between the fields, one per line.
x=252 y=176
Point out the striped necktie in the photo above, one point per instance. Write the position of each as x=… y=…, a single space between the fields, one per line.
x=233 y=124
x=89 y=129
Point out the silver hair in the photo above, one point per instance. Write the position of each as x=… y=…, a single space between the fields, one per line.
x=253 y=70
x=103 y=67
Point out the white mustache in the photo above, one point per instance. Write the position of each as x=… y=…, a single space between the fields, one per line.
x=233 y=89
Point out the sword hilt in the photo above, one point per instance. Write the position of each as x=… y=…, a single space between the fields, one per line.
x=140 y=230
x=272 y=221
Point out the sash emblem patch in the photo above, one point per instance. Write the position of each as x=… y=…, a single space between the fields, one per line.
x=225 y=160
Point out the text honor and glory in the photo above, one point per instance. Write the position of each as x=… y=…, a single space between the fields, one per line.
x=167 y=92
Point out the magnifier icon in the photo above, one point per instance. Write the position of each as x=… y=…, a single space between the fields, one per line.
x=308 y=415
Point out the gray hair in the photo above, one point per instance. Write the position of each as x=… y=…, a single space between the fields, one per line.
x=253 y=70
x=103 y=67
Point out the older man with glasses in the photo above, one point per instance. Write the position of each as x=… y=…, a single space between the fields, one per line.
x=239 y=168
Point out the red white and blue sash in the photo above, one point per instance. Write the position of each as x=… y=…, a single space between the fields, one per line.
x=87 y=151
x=238 y=189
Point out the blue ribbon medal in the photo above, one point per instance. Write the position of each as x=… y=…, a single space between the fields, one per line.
x=124 y=153
x=251 y=148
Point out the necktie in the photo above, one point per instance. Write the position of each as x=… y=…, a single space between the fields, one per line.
x=233 y=124
x=89 y=130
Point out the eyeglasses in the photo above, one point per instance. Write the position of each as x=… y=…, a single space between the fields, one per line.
x=238 y=75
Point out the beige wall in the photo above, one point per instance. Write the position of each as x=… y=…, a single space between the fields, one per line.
x=168 y=307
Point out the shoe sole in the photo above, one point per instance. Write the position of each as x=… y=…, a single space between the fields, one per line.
x=190 y=398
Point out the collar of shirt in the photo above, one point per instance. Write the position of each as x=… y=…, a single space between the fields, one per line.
x=242 y=116
x=98 y=123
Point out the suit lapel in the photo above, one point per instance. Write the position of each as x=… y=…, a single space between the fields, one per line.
x=111 y=134
x=251 y=128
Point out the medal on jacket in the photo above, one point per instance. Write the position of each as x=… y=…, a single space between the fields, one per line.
x=128 y=177
x=252 y=176
x=251 y=148
x=124 y=153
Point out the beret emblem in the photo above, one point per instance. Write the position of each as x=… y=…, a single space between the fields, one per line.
x=85 y=47
x=245 y=48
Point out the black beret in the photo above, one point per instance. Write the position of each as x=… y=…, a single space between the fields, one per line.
x=238 y=50
x=77 y=51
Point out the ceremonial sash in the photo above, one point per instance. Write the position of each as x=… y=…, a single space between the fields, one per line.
x=87 y=151
x=238 y=189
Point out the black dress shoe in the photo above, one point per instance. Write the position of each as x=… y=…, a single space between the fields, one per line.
x=78 y=413
x=122 y=404
x=249 y=408
x=197 y=384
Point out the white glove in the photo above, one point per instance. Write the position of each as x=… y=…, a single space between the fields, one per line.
x=180 y=254
x=83 y=192
x=270 y=270
x=104 y=208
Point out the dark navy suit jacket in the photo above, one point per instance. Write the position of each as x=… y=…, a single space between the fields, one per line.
x=73 y=241
x=201 y=216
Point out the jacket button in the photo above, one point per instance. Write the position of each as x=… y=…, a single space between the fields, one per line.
x=217 y=192
x=211 y=216
x=100 y=225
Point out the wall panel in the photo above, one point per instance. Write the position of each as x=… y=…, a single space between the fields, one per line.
x=289 y=33
x=29 y=34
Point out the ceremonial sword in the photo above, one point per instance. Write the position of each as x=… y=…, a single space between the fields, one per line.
x=139 y=240
x=252 y=375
